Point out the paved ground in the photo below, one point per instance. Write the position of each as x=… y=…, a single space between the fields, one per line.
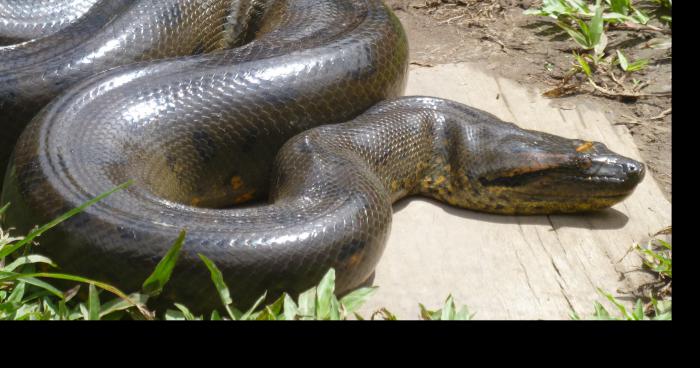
x=515 y=267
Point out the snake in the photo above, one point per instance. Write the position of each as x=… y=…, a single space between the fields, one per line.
x=274 y=133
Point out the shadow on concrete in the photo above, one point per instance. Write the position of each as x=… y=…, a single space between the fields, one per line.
x=608 y=219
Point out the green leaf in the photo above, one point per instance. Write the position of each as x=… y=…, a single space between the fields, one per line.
x=174 y=315
x=596 y=26
x=4 y=208
x=273 y=311
x=218 y=279
x=624 y=64
x=307 y=304
x=44 y=285
x=324 y=292
x=463 y=314
x=617 y=304
x=600 y=312
x=155 y=283
x=185 y=312
x=638 y=312
x=85 y=312
x=355 y=299
x=428 y=314
x=34 y=233
x=290 y=308
x=640 y=17
x=49 y=307
x=119 y=304
x=31 y=259
x=247 y=315
x=93 y=304
x=30 y=279
x=579 y=37
x=17 y=294
x=335 y=312
x=583 y=64
x=215 y=316
x=448 y=309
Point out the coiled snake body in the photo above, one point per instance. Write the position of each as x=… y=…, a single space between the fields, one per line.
x=200 y=134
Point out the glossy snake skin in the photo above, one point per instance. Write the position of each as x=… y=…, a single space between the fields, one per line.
x=201 y=135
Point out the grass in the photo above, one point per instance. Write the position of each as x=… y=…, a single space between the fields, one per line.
x=586 y=24
x=25 y=294
x=657 y=259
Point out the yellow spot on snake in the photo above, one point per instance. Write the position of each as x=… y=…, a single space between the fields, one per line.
x=236 y=182
x=394 y=185
x=584 y=147
x=439 y=180
x=354 y=260
x=245 y=197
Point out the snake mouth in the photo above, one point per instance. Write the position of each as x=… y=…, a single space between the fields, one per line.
x=609 y=177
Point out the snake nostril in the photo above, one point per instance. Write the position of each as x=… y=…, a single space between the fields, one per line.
x=635 y=170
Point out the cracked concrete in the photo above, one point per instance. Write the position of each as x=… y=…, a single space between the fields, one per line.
x=515 y=267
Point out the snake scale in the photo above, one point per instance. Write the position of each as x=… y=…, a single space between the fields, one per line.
x=272 y=131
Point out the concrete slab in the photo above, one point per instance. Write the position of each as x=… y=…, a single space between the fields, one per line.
x=514 y=267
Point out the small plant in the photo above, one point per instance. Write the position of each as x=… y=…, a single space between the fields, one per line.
x=589 y=35
x=586 y=25
x=630 y=67
x=661 y=311
x=657 y=258
x=447 y=312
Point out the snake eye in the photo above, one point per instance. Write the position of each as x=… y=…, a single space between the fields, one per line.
x=584 y=162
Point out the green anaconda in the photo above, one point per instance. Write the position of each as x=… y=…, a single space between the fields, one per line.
x=292 y=102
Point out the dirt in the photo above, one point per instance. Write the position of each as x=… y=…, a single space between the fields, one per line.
x=532 y=50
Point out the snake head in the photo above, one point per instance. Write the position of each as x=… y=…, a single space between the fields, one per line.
x=532 y=172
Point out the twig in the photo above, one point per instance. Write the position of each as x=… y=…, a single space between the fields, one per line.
x=639 y=27
x=608 y=92
x=453 y=18
x=662 y=114
x=425 y=65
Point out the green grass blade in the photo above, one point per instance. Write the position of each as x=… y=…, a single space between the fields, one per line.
x=463 y=314
x=44 y=285
x=7 y=250
x=31 y=259
x=324 y=292
x=247 y=315
x=307 y=304
x=595 y=30
x=118 y=305
x=93 y=304
x=617 y=304
x=334 y=313
x=448 y=310
x=186 y=312
x=9 y=276
x=290 y=308
x=584 y=65
x=624 y=64
x=17 y=294
x=600 y=312
x=4 y=208
x=155 y=283
x=577 y=36
x=218 y=279
x=354 y=300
